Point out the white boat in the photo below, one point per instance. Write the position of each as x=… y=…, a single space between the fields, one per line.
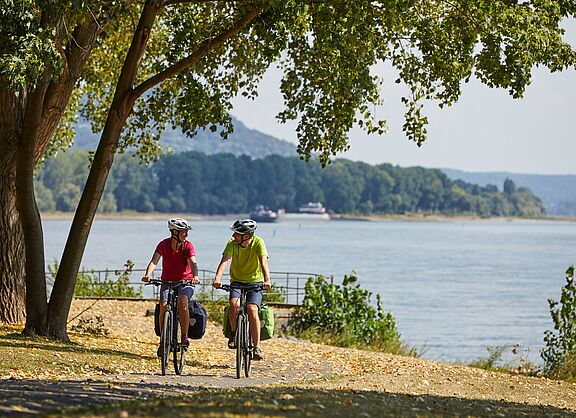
x=262 y=214
x=315 y=208
x=312 y=211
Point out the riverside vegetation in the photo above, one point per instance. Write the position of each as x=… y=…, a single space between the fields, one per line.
x=212 y=184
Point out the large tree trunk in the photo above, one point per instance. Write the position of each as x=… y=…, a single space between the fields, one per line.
x=36 y=302
x=63 y=291
x=12 y=283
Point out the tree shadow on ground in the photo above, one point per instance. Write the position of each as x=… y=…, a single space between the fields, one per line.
x=69 y=348
x=109 y=398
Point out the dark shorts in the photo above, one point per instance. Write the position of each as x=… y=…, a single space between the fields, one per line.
x=182 y=290
x=254 y=296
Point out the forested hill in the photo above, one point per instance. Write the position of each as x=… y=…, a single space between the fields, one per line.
x=223 y=183
x=557 y=192
x=243 y=141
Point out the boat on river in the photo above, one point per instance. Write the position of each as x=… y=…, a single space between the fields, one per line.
x=312 y=208
x=312 y=211
x=263 y=214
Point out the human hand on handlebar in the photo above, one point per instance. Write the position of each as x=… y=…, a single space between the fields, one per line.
x=266 y=285
x=217 y=283
x=146 y=279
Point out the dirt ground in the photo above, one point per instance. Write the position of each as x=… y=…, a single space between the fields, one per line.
x=294 y=373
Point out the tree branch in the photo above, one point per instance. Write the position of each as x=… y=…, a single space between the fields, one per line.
x=204 y=49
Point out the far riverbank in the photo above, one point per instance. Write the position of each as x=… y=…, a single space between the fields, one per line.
x=154 y=216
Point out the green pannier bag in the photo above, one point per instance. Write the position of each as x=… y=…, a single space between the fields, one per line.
x=266 y=314
x=226 y=323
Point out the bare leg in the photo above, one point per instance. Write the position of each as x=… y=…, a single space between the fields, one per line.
x=233 y=312
x=254 y=323
x=183 y=315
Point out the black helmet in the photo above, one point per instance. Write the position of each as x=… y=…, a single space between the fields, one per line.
x=178 y=224
x=244 y=226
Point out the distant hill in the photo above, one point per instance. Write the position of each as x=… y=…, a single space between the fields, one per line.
x=558 y=192
x=244 y=141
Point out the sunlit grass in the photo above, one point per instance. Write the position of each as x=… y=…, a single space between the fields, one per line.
x=31 y=356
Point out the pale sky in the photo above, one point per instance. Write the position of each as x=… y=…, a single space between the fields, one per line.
x=486 y=130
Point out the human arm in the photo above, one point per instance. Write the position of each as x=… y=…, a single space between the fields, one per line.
x=217 y=283
x=151 y=266
x=194 y=268
x=265 y=271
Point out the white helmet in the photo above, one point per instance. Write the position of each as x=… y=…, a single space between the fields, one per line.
x=178 y=224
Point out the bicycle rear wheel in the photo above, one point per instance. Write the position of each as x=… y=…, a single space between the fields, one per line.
x=247 y=350
x=165 y=341
x=178 y=349
x=239 y=345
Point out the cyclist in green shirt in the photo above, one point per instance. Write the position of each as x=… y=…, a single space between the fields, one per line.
x=249 y=265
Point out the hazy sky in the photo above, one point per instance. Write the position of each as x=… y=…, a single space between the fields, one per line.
x=487 y=130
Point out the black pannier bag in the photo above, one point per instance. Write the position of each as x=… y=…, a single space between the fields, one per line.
x=198 y=319
x=157 y=319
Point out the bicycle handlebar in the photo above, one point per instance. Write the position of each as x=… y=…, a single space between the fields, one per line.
x=158 y=282
x=246 y=286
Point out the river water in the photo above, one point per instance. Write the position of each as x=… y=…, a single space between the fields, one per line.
x=454 y=287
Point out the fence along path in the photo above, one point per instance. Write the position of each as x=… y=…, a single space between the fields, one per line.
x=288 y=285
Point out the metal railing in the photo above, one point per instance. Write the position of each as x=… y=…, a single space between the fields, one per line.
x=287 y=287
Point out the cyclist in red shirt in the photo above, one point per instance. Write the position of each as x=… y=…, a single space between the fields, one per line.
x=178 y=263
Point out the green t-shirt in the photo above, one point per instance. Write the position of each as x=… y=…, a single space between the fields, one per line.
x=245 y=266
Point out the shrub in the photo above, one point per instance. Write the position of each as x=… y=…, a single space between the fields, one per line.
x=559 y=354
x=89 y=284
x=342 y=315
x=518 y=363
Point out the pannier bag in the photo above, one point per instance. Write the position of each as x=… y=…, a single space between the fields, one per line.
x=226 y=329
x=266 y=314
x=198 y=319
x=157 y=319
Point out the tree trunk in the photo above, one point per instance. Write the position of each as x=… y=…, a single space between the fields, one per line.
x=36 y=302
x=12 y=284
x=63 y=291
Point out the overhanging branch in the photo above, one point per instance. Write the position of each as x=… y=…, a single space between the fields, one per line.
x=204 y=49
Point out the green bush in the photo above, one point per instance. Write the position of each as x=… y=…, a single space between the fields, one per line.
x=559 y=355
x=89 y=284
x=342 y=315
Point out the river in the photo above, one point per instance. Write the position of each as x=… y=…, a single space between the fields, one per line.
x=455 y=287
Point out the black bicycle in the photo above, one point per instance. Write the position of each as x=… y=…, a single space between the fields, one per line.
x=244 y=344
x=171 y=335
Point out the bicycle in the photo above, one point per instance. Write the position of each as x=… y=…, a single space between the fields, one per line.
x=171 y=334
x=244 y=345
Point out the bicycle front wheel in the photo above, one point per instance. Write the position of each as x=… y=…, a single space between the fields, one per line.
x=240 y=343
x=165 y=341
x=178 y=349
x=247 y=350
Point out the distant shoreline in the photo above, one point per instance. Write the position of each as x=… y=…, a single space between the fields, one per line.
x=155 y=216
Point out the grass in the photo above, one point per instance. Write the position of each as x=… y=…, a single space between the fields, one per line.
x=38 y=357
x=516 y=363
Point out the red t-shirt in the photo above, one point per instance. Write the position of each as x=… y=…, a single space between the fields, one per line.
x=175 y=264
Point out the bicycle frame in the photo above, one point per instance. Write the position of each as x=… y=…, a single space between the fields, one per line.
x=244 y=345
x=169 y=330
